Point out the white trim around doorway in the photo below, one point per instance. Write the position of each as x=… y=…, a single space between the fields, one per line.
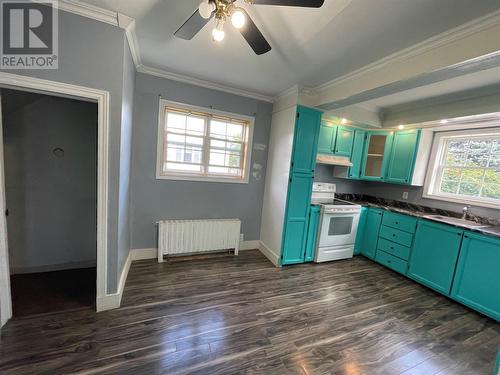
x=102 y=98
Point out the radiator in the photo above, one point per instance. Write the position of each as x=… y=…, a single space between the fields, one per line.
x=177 y=237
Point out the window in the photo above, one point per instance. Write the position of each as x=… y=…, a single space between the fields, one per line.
x=202 y=145
x=465 y=167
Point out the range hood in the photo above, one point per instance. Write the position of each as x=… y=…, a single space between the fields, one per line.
x=333 y=160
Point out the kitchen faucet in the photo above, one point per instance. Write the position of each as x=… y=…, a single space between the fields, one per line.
x=465 y=211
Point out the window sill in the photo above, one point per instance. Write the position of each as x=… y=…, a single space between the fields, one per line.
x=202 y=179
x=459 y=200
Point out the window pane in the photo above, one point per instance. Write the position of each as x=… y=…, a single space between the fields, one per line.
x=217 y=158
x=176 y=121
x=469 y=189
x=190 y=168
x=456 y=153
x=217 y=129
x=478 y=154
x=491 y=191
x=235 y=132
x=196 y=126
x=474 y=176
x=223 y=170
x=449 y=187
x=232 y=160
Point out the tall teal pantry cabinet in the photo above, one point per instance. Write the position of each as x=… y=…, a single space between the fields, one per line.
x=290 y=173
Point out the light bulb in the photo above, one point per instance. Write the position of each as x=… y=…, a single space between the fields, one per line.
x=443 y=122
x=401 y=127
x=238 y=18
x=218 y=35
x=206 y=8
x=343 y=121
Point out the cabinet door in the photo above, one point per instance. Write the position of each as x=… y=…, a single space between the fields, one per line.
x=357 y=154
x=296 y=218
x=344 y=141
x=434 y=255
x=312 y=233
x=326 y=139
x=369 y=239
x=305 y=142
x=477 y=279
x=402 y=158
x=375 y=156
x=361 y=230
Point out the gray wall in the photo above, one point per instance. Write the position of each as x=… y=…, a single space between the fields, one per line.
x=125 y=157
x=51 y=200
x=154 y=199
x=392 y=191
x=91 y=54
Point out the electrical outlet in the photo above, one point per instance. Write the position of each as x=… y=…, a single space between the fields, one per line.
x=405 y=195
x=242 y=237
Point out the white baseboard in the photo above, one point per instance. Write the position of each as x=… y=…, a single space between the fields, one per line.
x=249 y=245
x=114 y=300
x=141 y=254
x=269 y=254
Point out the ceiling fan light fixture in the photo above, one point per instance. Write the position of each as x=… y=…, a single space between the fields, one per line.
x=218 y=33
x=206 y=8
x=238 y=18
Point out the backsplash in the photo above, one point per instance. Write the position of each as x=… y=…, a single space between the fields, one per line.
x=324 y=173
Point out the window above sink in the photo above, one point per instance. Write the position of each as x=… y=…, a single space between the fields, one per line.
x=465 y=167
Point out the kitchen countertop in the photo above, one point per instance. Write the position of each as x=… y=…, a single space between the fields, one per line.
x=491 y=227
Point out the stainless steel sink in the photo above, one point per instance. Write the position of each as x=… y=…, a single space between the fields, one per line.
x=455 y=221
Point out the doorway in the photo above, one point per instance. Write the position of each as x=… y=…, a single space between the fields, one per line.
x=50 y=167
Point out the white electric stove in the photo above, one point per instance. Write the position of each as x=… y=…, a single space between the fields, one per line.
x=338 y=224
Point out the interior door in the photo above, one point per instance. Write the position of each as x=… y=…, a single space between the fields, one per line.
x=5 y=298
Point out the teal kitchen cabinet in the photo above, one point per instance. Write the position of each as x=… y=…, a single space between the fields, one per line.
x=361 y=229
x=402 y=157
x=369 y=238
x=357 y=154
x=296 y=222
x=477 y=278
x=312 y=233
x=326 y=141
x=344 y=141
x=305 y=141
x=434 y=255
x=376 y=155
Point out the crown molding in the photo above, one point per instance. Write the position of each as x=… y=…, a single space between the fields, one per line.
x=128 y=24
x=89 y=11
x=449 y=36
x=202 y=83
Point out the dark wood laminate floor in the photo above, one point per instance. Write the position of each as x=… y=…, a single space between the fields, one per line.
x=242 y=315
x=45 y=292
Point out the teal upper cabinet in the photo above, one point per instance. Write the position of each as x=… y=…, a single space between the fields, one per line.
x=357 y=154
x=376 y=155
x=434 y=255
x=326 y=139
x=312 y=233
x=344 y=141
x=305 y=140
x=477 y=279
x=402 y=157
x=368 y=241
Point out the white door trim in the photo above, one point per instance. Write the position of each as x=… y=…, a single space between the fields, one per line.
x=101 y=97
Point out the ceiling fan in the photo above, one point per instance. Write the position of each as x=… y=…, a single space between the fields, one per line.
x=222 y=10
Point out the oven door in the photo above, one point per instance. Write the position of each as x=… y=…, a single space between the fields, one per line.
x=338 y=229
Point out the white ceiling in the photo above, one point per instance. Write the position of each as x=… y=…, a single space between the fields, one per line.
x=310 y=46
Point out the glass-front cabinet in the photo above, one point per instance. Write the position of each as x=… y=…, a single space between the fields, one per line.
x=377 y=150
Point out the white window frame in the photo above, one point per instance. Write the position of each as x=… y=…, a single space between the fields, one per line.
x=181 y=176
x=432 y=180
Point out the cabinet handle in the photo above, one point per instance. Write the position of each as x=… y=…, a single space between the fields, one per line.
x=397 y=222
x=389 y=262
x=393 y=235
x=392 y=247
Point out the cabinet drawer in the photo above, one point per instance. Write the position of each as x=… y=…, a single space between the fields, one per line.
x=392 y=262
x=394 y=248
x=396 y=235
x=401 y=222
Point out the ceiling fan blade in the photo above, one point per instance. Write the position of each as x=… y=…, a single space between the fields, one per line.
x=254 y=37
x=292 y=3
x=191 y=27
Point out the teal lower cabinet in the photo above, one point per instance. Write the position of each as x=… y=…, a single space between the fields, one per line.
x=392 y=262
x=477 y=278
x=296 y=218
x=361 y=231
x=312 y=233
x=434 y=255
x=369 y=238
